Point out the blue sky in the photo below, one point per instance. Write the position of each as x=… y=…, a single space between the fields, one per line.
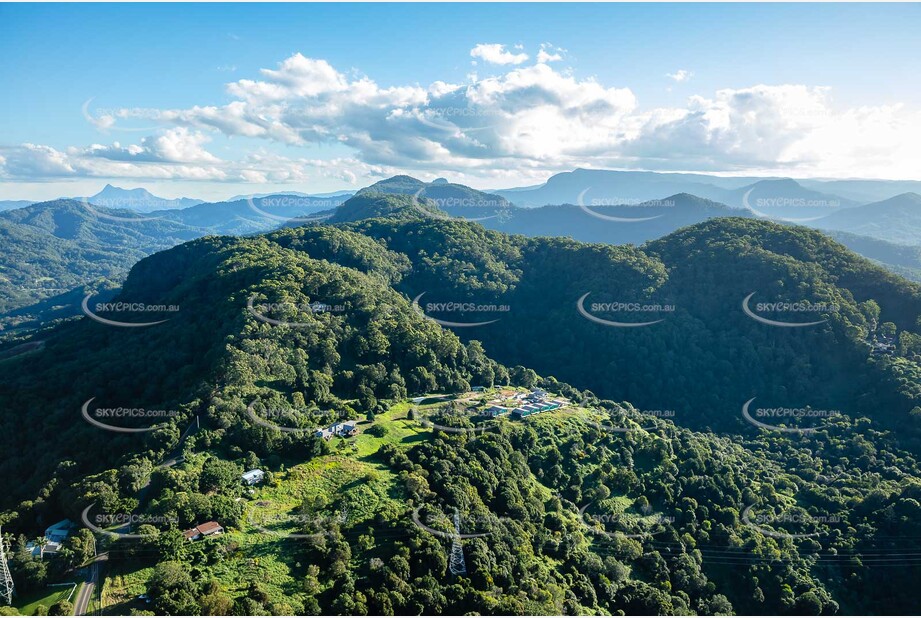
x=601 y=98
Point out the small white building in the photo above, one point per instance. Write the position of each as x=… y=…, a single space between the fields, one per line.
x=342 y=429
x=253 y=477
x=345 y=428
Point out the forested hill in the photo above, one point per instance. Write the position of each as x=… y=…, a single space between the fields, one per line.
x=53 y=247
x=440 y=192
x=704 y=356
x=370 y=205
x=600 y=220
x=308 y=325
x=595 y=217
x=904 y=260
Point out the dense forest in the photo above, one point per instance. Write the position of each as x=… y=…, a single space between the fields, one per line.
x=269 y=337
x=705 y=357
x=58 y=250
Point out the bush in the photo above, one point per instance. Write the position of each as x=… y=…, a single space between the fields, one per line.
x=377 y=430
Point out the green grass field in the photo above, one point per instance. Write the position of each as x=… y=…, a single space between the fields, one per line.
x=48 y=596
x=349 y=483
x=400 y=431
x=124 y=581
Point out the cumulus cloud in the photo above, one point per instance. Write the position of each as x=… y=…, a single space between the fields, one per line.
x=135 y=161
x=527 y=121
x=178 y=145
x=32 y=160
x=681 y=75
x=781 y=128
x=495 y=53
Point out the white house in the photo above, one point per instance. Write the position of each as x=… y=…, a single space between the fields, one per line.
x=254 y=476
x=343 y=429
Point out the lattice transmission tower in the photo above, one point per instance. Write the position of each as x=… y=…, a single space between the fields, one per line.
x=457 y=565
x=7 y=589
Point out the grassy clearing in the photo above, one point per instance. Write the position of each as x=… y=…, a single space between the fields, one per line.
x=48 y=596
x=349 y=487
x=125 y=580
x=400 y=431
x=264 y=563
x=331 y=487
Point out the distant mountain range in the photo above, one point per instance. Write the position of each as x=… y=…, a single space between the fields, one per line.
x=11 y=204
x=627 y=187
x=138 y=200
x=897 y=219
x=342 y=194
x=566 y=187
x=621 y=187
x=609 y=223
x=54 y=247
x=252 y=215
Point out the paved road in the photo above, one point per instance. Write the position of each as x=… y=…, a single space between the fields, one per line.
x=86 y=591
x=89 y=585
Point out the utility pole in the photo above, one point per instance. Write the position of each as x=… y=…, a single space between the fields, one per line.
x=457 y=565
x=7 y=589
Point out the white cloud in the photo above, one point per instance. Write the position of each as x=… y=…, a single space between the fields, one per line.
x=177 y=145
x=136 y=161
x=495 y=53
x=548 y=53
x=297 y=75
x=34 y=160
x=681 y=75
x=523 y=123
x=42 y=163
